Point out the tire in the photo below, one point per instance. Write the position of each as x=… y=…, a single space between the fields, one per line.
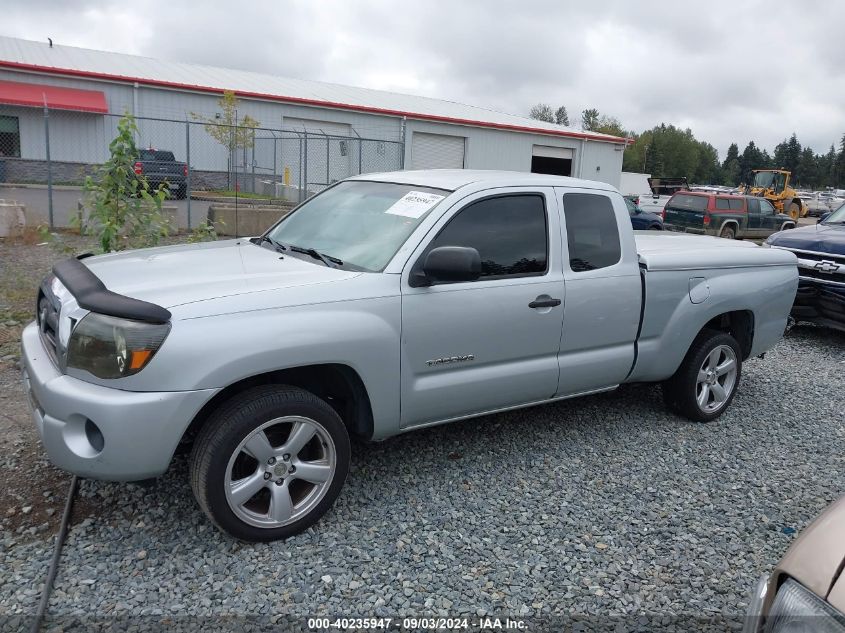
x=682 y=392
x=728 y=232
x=792 y=210
x=786 y=226
x=655 y=227
x=258 y=438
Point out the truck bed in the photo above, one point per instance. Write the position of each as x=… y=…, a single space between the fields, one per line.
x=681 y=251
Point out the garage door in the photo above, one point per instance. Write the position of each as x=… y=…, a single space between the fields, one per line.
x=437 y=151
x=551 y=160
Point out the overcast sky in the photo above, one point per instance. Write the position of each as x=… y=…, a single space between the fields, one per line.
x=730 y=71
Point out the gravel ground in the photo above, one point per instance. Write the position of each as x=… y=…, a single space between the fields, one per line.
x=605 y=505
x=602 y=506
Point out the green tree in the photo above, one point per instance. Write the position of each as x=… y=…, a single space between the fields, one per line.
x=733 y=154
x=119 y=207
x=542 y=112
x=590 y=119
x=788 y=154
x=731 y=173
x=232 y=131
x=561 y=116
x=807 y=172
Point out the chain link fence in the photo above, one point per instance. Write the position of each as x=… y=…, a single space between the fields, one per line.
x=51 y=152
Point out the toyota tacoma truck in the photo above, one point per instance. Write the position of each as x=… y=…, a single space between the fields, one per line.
x=387 y=303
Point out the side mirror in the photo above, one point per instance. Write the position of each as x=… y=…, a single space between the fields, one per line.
x=449 y=264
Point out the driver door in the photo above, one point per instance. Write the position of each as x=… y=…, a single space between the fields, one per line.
x=476 y=346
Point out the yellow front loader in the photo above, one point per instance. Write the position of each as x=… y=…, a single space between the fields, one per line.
x=773 y=184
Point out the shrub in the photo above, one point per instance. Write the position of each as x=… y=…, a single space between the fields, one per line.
x=119 y=208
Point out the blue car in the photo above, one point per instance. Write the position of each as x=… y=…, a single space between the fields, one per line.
x=643 y=220
x=820 y=249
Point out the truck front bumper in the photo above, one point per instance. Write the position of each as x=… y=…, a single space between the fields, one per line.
x=820 y=302
x=103 y=433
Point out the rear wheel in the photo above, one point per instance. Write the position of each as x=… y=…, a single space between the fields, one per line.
x=655 y=227
x=269 y=463
x=793 y=210
x=728 y=232
x=707 y=380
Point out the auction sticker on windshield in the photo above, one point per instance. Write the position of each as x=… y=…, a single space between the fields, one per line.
x=414 y=204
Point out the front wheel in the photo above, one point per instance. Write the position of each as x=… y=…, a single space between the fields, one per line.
x=707 y=380
x=269 y=463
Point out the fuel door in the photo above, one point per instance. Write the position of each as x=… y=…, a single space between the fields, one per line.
x=699 y=289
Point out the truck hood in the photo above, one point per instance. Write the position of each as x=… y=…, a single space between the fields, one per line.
x=821 y=238
x=176 y=275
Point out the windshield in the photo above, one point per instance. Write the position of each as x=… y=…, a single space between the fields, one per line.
x=151 y=154
x=359 y=222
x=769 y=180
x=837 y=217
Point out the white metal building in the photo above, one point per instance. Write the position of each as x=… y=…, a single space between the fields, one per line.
x=84 y=87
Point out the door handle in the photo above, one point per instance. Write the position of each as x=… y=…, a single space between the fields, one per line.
x=544 y=303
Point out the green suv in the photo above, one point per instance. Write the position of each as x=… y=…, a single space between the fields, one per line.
x=731 y=217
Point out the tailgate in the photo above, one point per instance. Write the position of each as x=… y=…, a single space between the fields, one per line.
x=684 y=218
x=161 y=168
x=686 y=212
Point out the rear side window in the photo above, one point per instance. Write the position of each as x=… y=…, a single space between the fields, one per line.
x=736 y=204
x=687 y=202
x=152 y=154
x=509 y=232
x=591 y=231
x=723 y=203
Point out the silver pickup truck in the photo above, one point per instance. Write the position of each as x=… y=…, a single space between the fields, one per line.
x=387 y=303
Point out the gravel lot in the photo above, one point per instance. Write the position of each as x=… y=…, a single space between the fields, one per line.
x=605 y=505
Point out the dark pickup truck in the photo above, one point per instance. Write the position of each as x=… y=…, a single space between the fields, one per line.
x=160 y=166
x=731 y=217
x=820 y=249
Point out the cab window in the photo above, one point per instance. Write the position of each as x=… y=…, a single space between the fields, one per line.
x=591 y=231
x=509 y=232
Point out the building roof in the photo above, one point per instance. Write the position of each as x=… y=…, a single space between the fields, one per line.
x=452 y=179
x=18 y=54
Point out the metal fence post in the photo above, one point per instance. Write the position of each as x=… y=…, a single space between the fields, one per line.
x=305 y=169
x=49 y=164
x=328 y=159
x=253 y=188
x=188 y=176
x=359 y=150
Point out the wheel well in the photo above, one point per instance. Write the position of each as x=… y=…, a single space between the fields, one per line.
x=339 y=385
x=739 y=324
x=733 y=223
x=787 y=225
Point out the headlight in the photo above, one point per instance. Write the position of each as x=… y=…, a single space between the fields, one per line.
x=796 y=610
x=109 y=347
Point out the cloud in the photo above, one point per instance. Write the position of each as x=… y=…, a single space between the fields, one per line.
x=729 y=71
